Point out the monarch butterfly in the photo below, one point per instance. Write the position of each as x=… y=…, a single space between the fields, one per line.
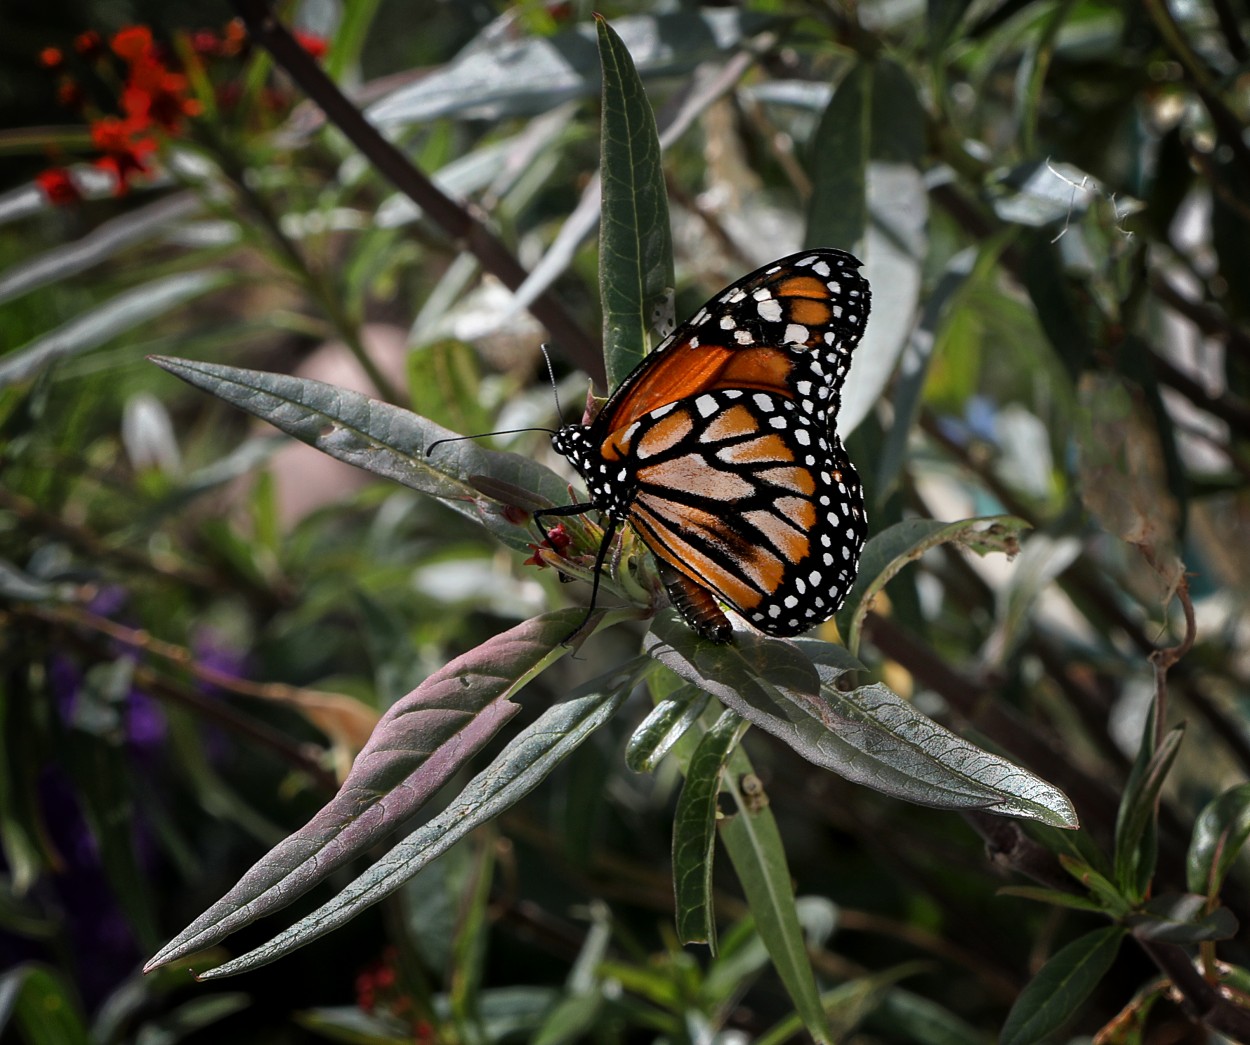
x=720 y=450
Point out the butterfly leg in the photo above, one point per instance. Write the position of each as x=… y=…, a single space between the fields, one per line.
x=600 y=556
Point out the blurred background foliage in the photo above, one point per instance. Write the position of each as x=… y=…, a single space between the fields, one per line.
x=199 y=623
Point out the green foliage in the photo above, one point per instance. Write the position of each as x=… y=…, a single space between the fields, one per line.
x=225 y=673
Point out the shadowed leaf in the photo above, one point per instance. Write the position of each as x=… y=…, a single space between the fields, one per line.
x=694 y=831
x=1057 y=992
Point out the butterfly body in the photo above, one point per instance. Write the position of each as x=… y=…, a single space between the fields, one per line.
x=720 y=450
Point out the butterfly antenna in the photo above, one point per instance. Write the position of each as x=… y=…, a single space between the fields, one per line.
x=551 y=375
x=482 y=435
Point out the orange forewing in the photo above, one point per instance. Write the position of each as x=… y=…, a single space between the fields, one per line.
x=682 y=370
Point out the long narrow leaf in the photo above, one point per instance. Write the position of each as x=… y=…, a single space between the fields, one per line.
x=544 y=71
x=694 y=831
x=661 y=729
x=116 y=316
x=380 y=438
x=870 y=735
x=892 y=549
x=754 y=845
x=1136 y=825
x=635 y=241
x=525 y=763
x=415 y=748
x=914 y=370
x=98 y=245
x=1063 y=984
x=1218 y=836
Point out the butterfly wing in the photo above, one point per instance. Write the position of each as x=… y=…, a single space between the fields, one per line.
x=720 y=447
x=745 y=495
x=811 y=305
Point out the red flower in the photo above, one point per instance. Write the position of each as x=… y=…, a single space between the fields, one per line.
x=557 y=540
x=312 y=43
x=70 y=94
x=58 y=186
x=122 y=149
x=206 y=43
x=153 y=94
x=133 y=44
x=89 y=44
x=51 y=58
x=234 y=39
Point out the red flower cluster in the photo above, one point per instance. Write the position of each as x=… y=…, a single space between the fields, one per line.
x=557 y=540
x=377 y=988
x=154 y=97
x=58 y=186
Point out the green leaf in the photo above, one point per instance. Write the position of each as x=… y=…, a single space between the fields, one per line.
x=385 y=440
x=850 y=1003
x=694 y=831
x=1182 y=919
x=1109 y=898
x=103 y=242
x=348 y=38
x=1057 y=310
x=544 y=71
x=635 y=241
x=1061 y=987
x=571 y=1020
x=1054 y=897
x=1219 y=833
x=446 y=382
x=893 y=548
x=905 y=1016
x=422 y=740
x=663 y=727
x=754 y=845
x=101 y=773
x=838 y=214
x=41 y=1004
x=520 y=768
x=1136 y=848
x=471 y=930
x=942 y=18
x=914 y=370
x=869 y=735
x=116 y=316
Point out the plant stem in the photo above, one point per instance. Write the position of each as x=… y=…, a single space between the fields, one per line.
x=468 y=229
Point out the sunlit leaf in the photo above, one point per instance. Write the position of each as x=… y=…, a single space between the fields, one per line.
x=892 y=549
x=420 y=742
x=869 y=735
x=635 y=242
x=380 y=438
x=541 y=72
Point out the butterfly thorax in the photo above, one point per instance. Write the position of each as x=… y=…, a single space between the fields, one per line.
x=610 y=484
